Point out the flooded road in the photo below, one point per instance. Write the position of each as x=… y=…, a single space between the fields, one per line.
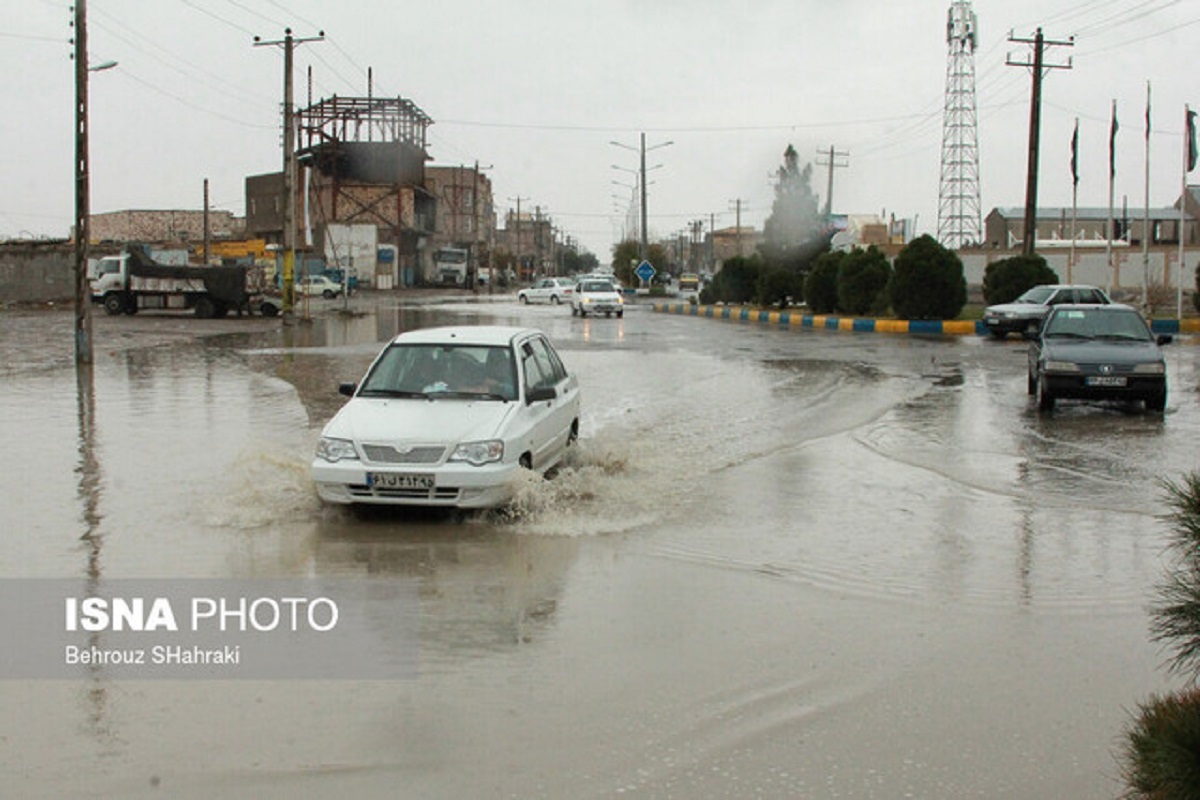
x=781 y=564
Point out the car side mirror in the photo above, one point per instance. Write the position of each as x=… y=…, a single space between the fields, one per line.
x=1164 y=338
x=347 y=389
x=540 y=393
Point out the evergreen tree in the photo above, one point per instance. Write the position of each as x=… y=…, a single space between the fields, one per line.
x=794 y=227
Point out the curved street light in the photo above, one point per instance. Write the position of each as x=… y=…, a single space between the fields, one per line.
x=643 y=246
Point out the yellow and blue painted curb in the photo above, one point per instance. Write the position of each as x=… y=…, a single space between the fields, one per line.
x=951 y=327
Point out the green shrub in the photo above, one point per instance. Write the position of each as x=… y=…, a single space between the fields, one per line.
x=820 y=288
x=779 y=286
x=1009 y=278
x=1162 y=748
x=862 y=281
x=927 y=281
x=1161 y=755
x=737 y=282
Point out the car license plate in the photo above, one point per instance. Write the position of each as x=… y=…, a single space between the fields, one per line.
x=399 y=480
x=1105 y=380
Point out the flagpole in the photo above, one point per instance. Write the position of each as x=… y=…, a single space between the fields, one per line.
x=1074 y=197
x=1146 y=214
x=1187 y=127
x=1112 y=172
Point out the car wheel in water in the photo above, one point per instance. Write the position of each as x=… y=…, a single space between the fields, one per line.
x=523 y=299
x=328 y=294
x=1031 y=384
x=620 y=314
x=1157 y=402
x=554 y=299
x=1045 y=398
x=113 y=304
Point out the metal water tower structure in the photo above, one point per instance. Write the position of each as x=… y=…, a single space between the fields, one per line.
x=959 y=219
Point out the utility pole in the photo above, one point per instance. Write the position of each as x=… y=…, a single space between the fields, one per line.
x=738 y=225
x=83 y=317
x=517 y=246
x=207 y=237
x=537 y=238
x=83 y=190
x=1038 y=67
x=712 y=241
x=288 y=43
x=833 y=156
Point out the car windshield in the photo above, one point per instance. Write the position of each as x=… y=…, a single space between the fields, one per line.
x=1090 y=323
x=443 y=371
x=1038 y=295
x=596 y=286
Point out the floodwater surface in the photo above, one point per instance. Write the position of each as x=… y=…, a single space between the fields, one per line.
x=780 y=564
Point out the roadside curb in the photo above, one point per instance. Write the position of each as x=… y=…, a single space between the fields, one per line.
x=952 y=327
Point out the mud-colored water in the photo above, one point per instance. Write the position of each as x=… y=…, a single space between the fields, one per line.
x=781 y=564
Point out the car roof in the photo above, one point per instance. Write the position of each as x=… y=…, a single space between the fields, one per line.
x=1066 y=286
x=1107 y=308
x=465 y=334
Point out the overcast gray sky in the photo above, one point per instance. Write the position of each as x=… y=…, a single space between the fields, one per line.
x=536 y=90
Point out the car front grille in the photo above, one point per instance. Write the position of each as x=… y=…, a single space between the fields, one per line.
x=439 y=494
x=389 y=454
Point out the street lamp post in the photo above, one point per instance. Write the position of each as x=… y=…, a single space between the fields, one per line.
x=643 y=245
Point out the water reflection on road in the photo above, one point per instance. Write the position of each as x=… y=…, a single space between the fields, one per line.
x=780 y=563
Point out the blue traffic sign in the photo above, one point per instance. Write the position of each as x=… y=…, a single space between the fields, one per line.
x=645 y=271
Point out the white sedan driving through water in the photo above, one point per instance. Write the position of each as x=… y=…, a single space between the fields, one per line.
x=449 y=417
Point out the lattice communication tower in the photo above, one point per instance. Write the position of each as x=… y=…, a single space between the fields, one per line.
x=958 y=197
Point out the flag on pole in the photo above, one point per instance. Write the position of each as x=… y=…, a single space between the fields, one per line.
x=1191 y=139
x=1075 y=155
x=1112 y=143
x=1147 y=111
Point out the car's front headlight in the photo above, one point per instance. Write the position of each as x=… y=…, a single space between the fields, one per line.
x=479 y=453
x=1157 y=368
x=1060 y=366
x=334 y=450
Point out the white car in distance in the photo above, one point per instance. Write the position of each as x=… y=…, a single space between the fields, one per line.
x=449 y=417
x=318 y=285
x=548 y=290
x=597 y=296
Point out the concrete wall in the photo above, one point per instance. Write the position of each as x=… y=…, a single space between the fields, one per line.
x=37 y=273
x=1091 y=267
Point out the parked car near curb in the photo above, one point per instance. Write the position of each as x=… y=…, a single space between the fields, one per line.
x=1097 y=352
x=548 y=290
x=318 y=285
x=449 y=417
x=1025 y=314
